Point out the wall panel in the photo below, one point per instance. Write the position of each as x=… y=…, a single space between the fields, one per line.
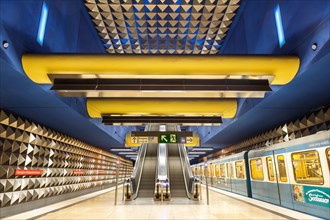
x=57 y=164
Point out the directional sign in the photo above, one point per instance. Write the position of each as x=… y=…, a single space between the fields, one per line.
x=189 y=140
x=192 y=141
x=153 y=140
x=168 y=138
x=173 y=138
x=164 y=138
x=182 y=140
x=134 y=141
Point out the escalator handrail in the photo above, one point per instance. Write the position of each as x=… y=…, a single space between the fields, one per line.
x=166 y=164
x=187 y=174
x=139 y=164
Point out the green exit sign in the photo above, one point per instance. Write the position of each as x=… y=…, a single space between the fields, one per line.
x=168 y=138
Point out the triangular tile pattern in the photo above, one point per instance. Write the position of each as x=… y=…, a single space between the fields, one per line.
x=162 y=26
x=25 y=145
x=310 y=124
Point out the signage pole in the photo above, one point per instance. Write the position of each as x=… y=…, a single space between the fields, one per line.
x=200 y=185
x=124 y=183
x=207 y=189
x=116 y=191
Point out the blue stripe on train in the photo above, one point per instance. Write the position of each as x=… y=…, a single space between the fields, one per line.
x=232 y=185
x=267 y=191
x=323 y=212
x=240 y=187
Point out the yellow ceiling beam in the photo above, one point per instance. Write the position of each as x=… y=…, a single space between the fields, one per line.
x=97 y=107
x=283 y=68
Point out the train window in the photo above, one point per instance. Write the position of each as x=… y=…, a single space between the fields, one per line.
x=201 y=168
x=222 y=170
x=227 y=169
x=240 y=170
x=256 y=169
x=281 y=168
x=231 y=170
x=328 y=156
x=208 y=171
x=270 y=168
x=307 y=167
x=217 y=170
x=212 y=167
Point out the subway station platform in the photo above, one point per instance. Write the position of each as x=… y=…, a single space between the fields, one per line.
x=222 y=205
x=164 y=96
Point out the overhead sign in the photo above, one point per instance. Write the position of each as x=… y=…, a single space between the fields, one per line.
x=168 y=138
x=136 y=141
x=192 y=140
x=139 y=140
x=189 y=140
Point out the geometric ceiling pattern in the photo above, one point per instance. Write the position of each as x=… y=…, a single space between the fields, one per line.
x=162 y=26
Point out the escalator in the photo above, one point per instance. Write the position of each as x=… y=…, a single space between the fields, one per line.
x=177 y=182
x=147 y=182
x=171 y=166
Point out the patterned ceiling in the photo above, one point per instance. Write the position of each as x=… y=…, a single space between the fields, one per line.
x=162 y=26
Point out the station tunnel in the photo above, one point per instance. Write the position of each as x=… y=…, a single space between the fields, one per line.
x=164 y=109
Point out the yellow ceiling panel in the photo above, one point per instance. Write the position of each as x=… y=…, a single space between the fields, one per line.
x=283 y=68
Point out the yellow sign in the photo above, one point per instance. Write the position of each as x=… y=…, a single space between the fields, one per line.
x=136 y=141
x=192 y=141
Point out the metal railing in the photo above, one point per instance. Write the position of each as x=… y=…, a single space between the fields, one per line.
x=162 y=174
x=191 y=183
x=134 y=180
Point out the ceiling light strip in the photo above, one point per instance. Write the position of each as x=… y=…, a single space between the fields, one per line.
x=161 y=84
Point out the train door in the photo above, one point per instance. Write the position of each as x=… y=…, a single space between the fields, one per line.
x=284 y=186
x=230 y=173
x=273 y=176
x=212 y=173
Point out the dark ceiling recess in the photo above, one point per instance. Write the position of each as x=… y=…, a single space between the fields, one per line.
x=184 y=120
x=215 y=88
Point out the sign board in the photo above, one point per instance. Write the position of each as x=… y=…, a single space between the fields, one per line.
x=168 y=138
x=189 y=140
x=182 y=140
x=19 y=172
x=79 y=172
x=139 y=140
x=133 y=140
x=136 y=141
x=319 y=196
x=192 y=141
x=153 y=140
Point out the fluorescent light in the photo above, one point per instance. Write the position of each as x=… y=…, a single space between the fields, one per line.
x=42 y=23
x=162 y=127
x=199 y=152
x=121 y=150
x=197 y=149
x=133 y=153
x=279 y=26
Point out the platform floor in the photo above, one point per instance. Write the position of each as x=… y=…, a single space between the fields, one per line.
x=223 y=205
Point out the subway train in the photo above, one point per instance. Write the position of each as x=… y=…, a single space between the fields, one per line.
x=293 y=174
